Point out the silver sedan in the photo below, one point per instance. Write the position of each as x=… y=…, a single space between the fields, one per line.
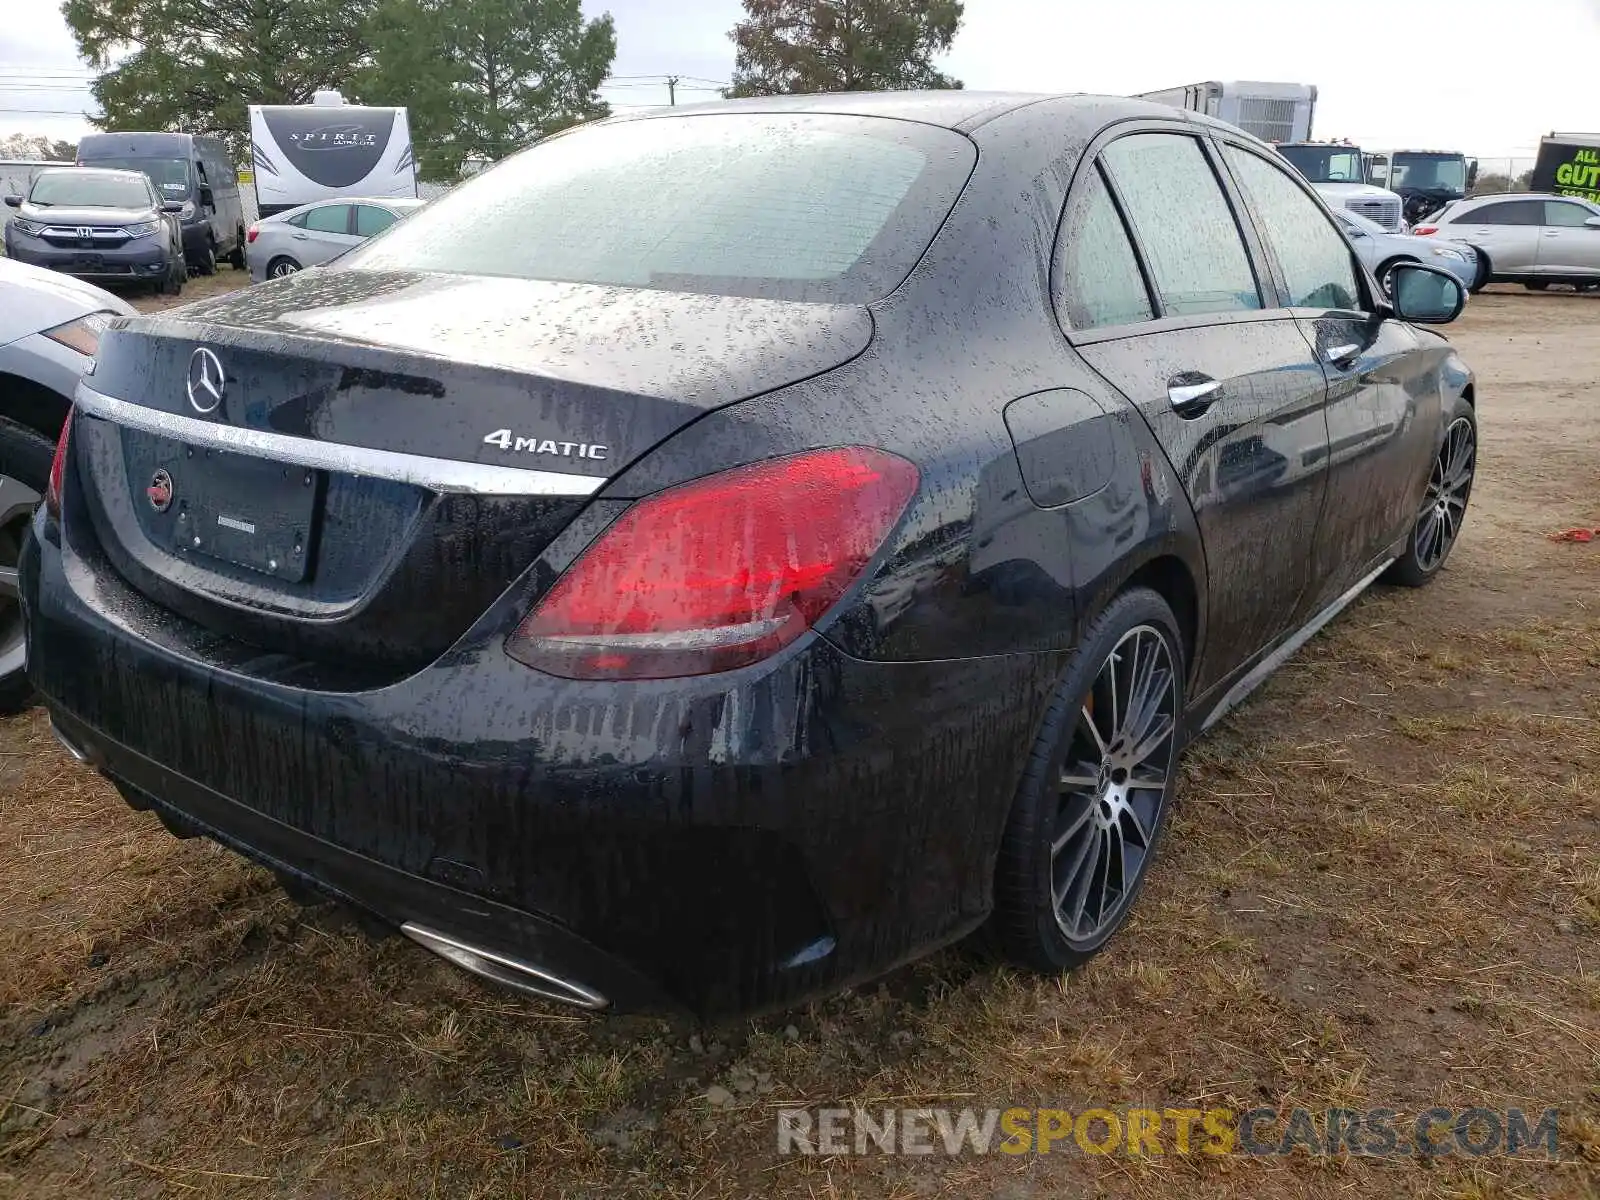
x=1380 y=250
x=302 y=237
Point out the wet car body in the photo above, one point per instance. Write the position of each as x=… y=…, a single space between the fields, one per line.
x=721 y=841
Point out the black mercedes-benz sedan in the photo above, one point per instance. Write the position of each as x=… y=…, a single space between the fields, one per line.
x=719 y=554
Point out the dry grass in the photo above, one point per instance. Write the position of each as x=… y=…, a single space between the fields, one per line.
x=1382 y=887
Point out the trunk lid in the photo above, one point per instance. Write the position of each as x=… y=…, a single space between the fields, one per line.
x=348 y=467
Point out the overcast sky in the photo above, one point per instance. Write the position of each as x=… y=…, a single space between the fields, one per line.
x=1488 y=77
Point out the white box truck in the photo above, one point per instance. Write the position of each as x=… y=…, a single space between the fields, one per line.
x=1273 y=112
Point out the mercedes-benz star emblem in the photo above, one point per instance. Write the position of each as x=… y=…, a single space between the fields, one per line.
x=206 y=381
x=160 y=491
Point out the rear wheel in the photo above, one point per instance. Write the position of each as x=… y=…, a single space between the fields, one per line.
x=1090 y=809
x=1444 y=505
x=281 y=266
x=207 y=264
x=24 y=469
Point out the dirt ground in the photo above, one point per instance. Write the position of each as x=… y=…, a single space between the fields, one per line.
x=1381 y=889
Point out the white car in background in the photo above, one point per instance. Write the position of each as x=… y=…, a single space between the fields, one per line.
x=1381 y=251
x=302 y=237
x=50 y=326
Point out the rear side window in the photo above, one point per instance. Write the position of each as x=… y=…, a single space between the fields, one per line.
x=1316 y=260
x=330 y=218
x=1507 y=212
x=1564 y=215
x=1183 y=223
x=1099 y=282
x=371 y=219
x=793 y=206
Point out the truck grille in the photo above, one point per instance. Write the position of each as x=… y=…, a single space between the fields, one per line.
x=1269 y=120
x=1384 y=212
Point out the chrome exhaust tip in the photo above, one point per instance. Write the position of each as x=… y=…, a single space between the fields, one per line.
x=79 y=754
x=507 y=972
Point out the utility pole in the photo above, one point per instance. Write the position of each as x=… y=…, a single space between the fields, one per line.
x=672 y=90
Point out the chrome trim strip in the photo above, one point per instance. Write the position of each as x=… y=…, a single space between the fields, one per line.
x=508 y=972
x=1258 y=674
x=79 y=755
x=438 y=474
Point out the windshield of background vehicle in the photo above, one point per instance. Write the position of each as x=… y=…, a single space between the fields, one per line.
x=87 y=190
x=1429 y=171
x=170 y=175
x=779 y=206
x=1322 y=164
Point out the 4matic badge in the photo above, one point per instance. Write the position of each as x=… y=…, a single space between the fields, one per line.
x=506 y=440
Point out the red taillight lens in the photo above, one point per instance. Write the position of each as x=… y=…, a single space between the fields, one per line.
x=250 y=234
x=720 y=572
x=58 y=467
x=1424 y=230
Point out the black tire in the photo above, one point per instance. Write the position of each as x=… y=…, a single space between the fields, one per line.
x=1444 y=509
x=177 y=275
x=236 y=258
x=1385 y=267
x=207 y=264
x=1062 y=791
x=280 y=266
x=24 y=459
x=1485 y=273
x=1537 y=285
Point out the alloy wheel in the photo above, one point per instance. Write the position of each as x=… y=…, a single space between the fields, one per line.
x=1113 y=785
x=1445 y=503
x=282 y=268
x=17 y=502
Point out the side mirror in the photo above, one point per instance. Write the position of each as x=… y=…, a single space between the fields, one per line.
x=1354 y=233
x=1426 y=295
x=206 y=197
x=1592 y=222
x=13 y=201
x=1472 y=173
x=172 y=206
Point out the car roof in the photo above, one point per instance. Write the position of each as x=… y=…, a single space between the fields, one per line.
x=380 y=201
x=71 y=170
x=953 y=109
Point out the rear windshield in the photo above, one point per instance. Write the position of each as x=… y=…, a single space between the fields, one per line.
x=781 y=206
x=89 y=190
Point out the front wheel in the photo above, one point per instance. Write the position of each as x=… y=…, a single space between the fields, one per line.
x=24 y=469
x=1089 y=811
x=1444 y=505
x=207 y=264
x=1485 y=273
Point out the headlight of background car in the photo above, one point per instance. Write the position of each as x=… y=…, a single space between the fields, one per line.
x=143 y=228
x=31 y=228
x=1448 y=252
x=82 y=335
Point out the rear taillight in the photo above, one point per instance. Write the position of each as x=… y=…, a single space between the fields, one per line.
x=720 y=572
x=58 y=467
x=250 y=234
x=1424 y=230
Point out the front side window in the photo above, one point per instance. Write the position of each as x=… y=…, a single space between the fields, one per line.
x=330 y=218
x=1316 y=261
x=1565 y=215
x=782 y=206
x=371 y=219
x=1100 y=284
x=1183 y=223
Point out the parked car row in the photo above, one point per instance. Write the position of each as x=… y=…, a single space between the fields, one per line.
x=720 y=553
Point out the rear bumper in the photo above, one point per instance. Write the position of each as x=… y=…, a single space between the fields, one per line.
x=725 y=843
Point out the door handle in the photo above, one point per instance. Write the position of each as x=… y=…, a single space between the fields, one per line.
x=1344 y=355
x=299 y=237
x=1191 y=394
